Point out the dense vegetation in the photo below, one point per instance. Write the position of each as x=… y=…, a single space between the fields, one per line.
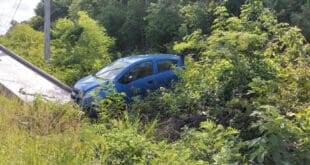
x=244 y=97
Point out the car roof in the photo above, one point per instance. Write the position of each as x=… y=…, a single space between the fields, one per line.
x=135 y=58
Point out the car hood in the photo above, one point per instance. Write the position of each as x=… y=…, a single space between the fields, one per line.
x=89 y=82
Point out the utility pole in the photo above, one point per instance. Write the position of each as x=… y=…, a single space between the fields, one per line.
x=47 y=26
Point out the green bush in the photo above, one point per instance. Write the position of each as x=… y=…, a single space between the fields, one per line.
x=282 y=140
x=214 y=144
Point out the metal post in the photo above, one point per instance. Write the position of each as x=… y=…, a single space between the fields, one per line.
x=47 y=27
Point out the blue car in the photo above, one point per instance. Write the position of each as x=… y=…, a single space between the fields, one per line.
x=133 y=75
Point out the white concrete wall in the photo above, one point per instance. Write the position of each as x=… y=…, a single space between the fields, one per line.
x=26 y=83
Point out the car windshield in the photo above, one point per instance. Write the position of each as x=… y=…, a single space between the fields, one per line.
x=110 y=71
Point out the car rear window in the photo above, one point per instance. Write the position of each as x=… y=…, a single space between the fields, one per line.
x=143 y=70
x=164 y=65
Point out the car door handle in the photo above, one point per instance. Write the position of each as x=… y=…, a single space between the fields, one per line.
x=150 y=82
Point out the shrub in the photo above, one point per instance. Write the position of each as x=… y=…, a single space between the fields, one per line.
x=282 y=140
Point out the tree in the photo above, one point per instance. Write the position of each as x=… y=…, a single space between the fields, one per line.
x=233 y=6
x=81 y=47
x=196 y=15
x=302 y=19
x=293 y=12
x=284 y=8
x=252 y=76
x=132 y=32
x=26 y=42
x=59 y=9
x=163 y=23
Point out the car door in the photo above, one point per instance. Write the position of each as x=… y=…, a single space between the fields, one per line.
x=165 y=72
x=137 y=80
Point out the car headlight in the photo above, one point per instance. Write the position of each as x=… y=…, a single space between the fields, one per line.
x=92 y=93
x=80 y=93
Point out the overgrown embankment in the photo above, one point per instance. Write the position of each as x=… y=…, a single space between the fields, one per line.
x=249 y=77
x=49 y=133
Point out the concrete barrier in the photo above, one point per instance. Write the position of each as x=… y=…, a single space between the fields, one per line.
x=24 y=80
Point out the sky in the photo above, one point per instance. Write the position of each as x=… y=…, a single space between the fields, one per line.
x=8 y=7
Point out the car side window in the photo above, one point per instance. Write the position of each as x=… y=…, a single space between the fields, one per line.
x=139 y=71
x=164 y=65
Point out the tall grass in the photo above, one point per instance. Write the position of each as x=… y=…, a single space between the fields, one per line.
x=38 y=133
x=50 y=133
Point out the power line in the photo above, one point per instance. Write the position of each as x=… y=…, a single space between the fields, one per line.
x=16 y=10
x=11 y=14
